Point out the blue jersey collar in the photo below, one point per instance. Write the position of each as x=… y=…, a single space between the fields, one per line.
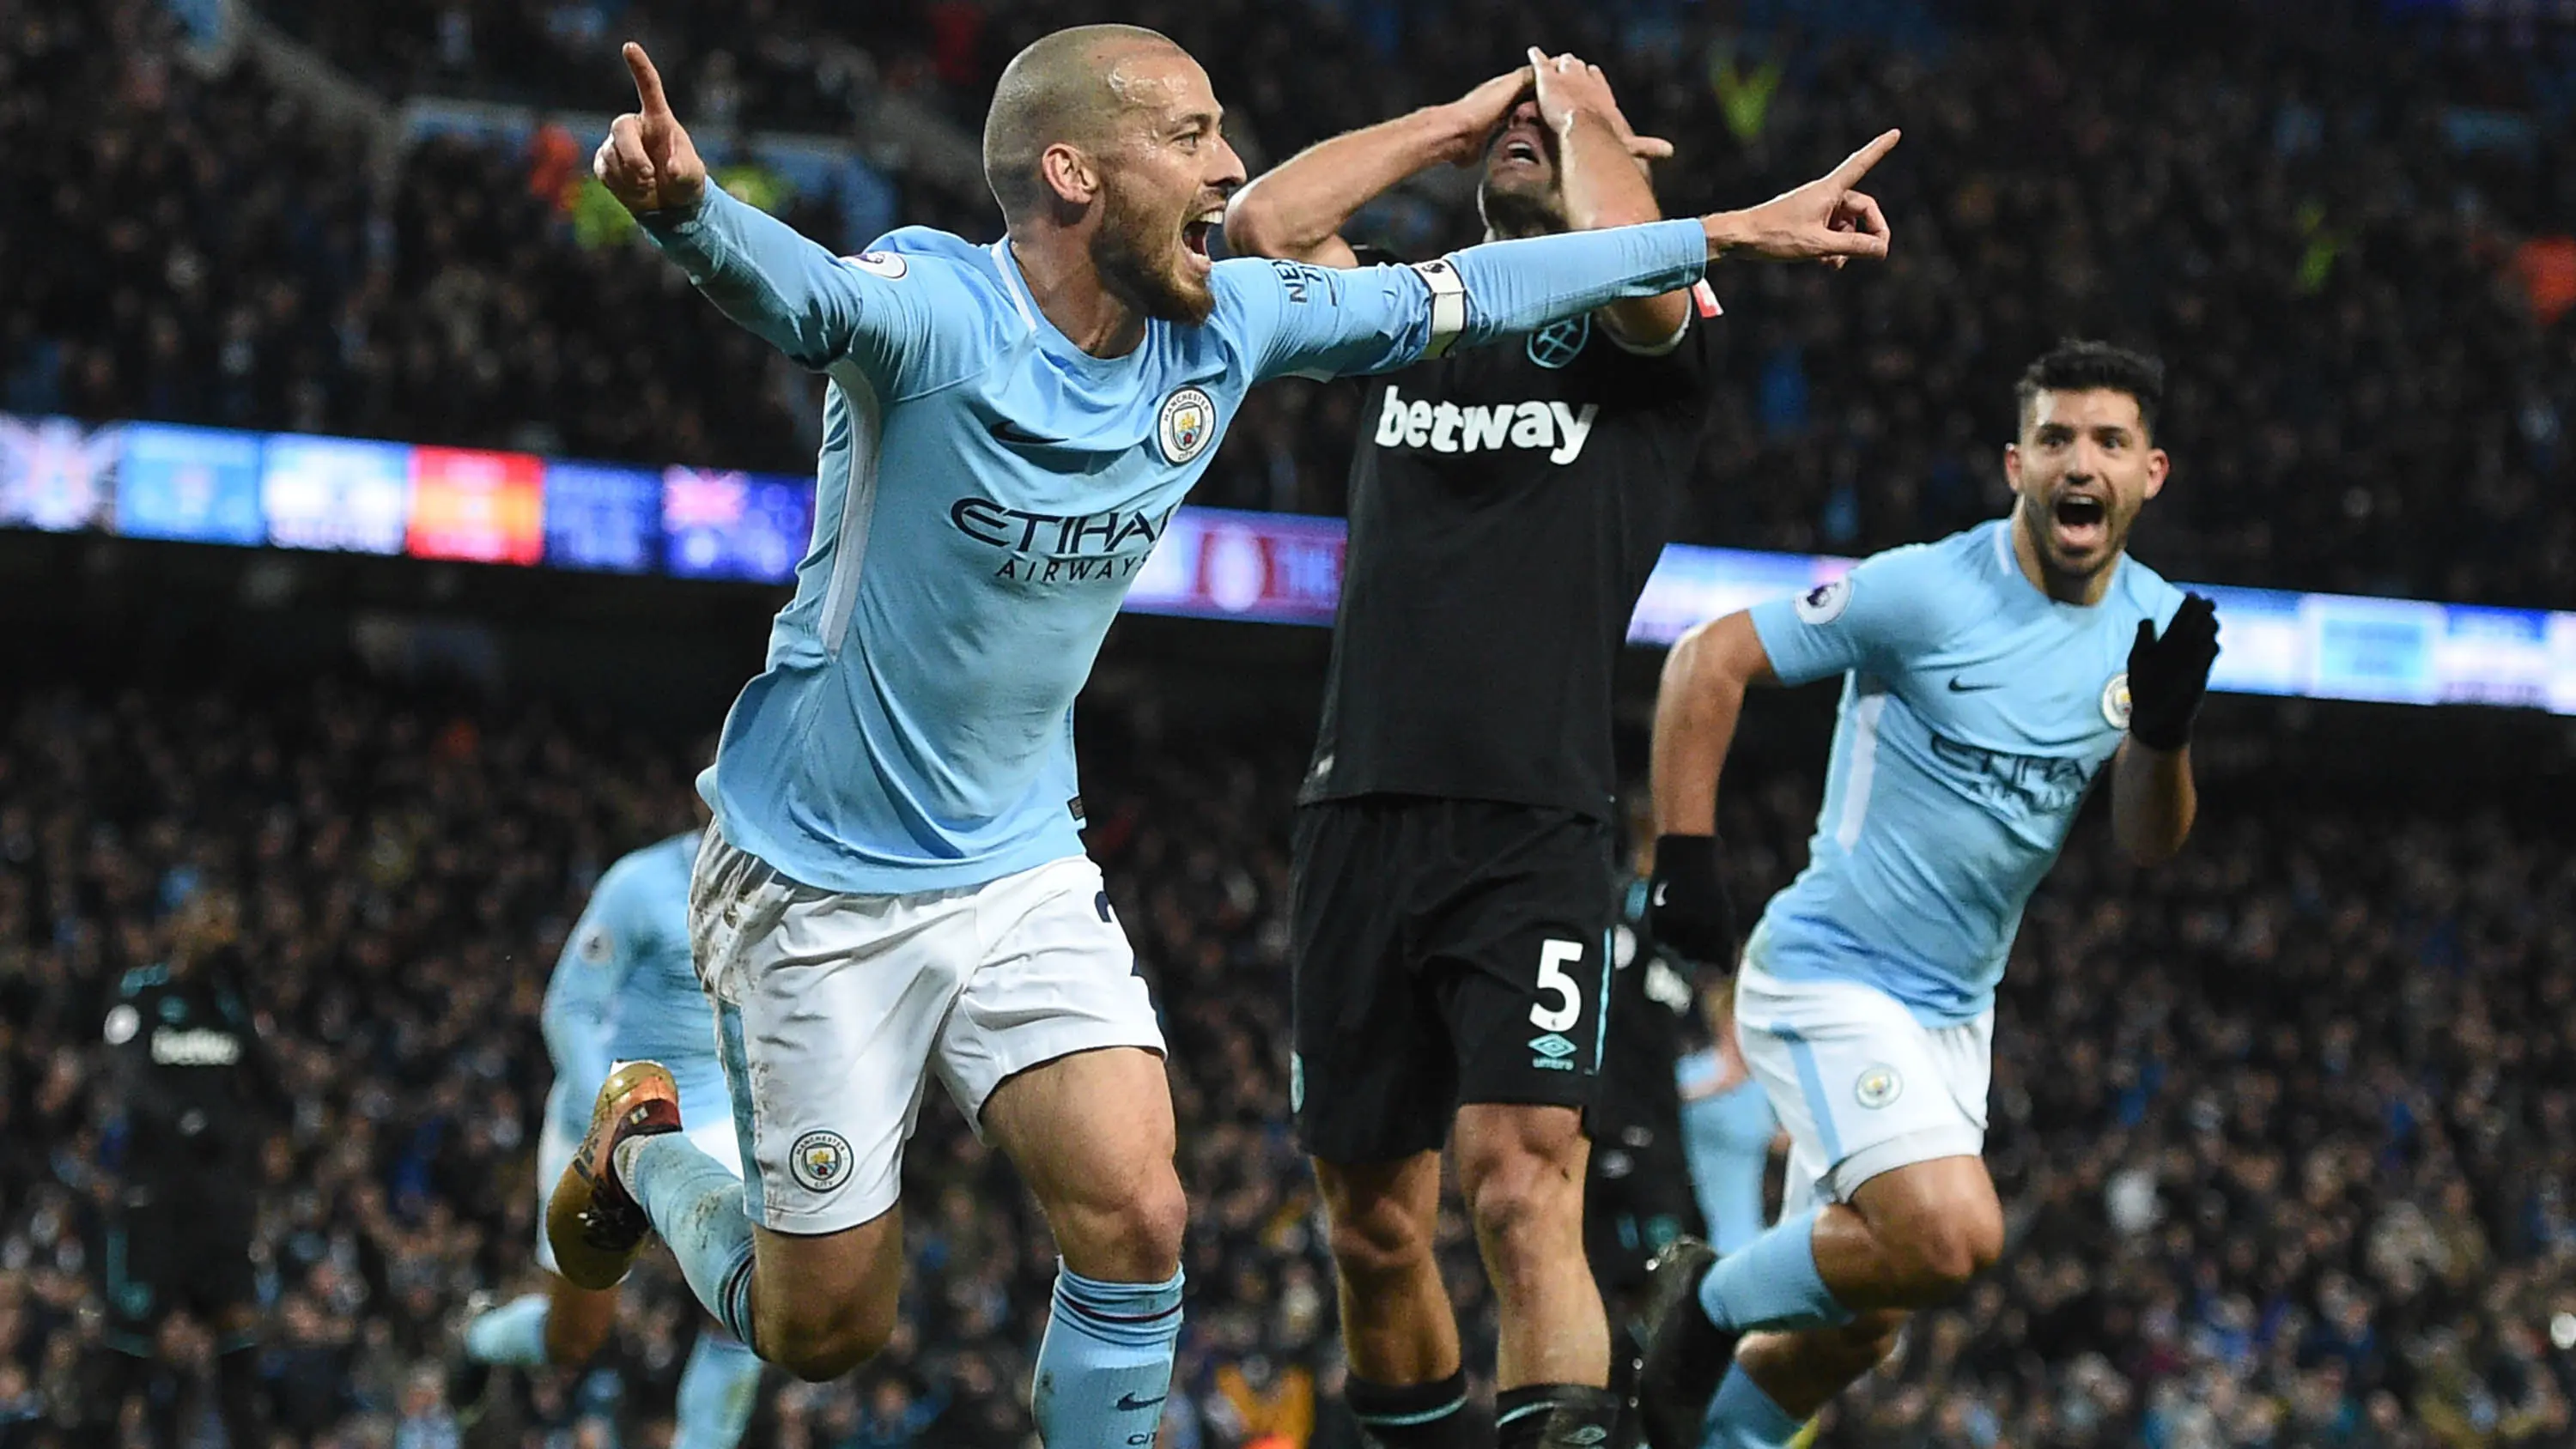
x=2011 y=564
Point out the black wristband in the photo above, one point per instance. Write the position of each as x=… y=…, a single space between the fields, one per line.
x=1691 y=855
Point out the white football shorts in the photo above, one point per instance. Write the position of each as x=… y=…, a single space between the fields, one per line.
x=833 y=1011
x=1862 y=1087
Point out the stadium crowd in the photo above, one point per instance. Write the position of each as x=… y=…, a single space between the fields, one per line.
x=2285 y=1131
x=2349 y=239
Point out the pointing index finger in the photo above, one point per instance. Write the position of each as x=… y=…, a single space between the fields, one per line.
x=648 y=81
x=1857 y=164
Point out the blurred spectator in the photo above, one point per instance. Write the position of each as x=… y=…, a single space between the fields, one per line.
x=2282 y=1130
x=426 y=1423
x=2346 y=231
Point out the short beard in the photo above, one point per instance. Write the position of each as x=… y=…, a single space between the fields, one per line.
x=1515 y=212
x=1141 y=276
x=2056 y=570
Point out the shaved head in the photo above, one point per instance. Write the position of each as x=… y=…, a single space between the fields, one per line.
x=1064 y=88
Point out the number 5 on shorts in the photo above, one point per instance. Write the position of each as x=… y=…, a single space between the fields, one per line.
x=1553 y=958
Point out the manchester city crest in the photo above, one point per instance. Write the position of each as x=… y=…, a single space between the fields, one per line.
x=2115 y=701
x=1879 y=1085
x=820 y=1160
x=1187 y=423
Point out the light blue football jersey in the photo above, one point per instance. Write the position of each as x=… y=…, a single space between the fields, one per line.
x=989 y=491
x=1976 y=715
x=625 y=989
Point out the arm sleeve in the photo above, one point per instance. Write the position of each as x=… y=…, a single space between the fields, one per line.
x=1294 y=319
x=898 y=315
x=581 y=998
x=1868 y=620
x=1520 y=286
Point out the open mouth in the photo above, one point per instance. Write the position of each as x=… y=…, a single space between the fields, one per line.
x=1195 y=233
x=2082 y=520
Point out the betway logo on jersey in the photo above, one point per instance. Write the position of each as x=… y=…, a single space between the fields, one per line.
x=1449 y=428
x=177 y=1047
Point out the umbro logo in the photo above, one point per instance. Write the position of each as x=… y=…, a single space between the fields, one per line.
x=1553 y=1051
x=1959 y=684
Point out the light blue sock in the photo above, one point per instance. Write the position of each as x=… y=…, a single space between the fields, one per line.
x=696 y=1207
x=1744 y=1417
x=1106 y=1363
x=718 y=1391
x=514 y=1333
x=1772 y=1282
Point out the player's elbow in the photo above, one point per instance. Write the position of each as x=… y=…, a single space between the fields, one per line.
x=1256 y=227
x=1712 y=662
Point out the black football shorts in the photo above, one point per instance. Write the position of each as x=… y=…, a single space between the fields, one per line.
x=172 y=1248
x=1445 y=952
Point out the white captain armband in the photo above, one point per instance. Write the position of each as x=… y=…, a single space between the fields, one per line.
x=1448 y=304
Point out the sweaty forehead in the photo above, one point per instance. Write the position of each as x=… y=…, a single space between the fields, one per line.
x=2091 y=407
x=1160 y=83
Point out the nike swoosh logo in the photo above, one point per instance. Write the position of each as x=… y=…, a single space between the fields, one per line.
x=1006 y=431
x=1960 y=685
x=1131 y=1403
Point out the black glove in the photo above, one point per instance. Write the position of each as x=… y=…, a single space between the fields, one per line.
x=1688 y=911
x=2168 y=676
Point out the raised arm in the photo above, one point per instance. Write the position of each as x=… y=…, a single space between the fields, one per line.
x=1298 y=319
x=794 y=293
x=1601 y=173
x=2153 y=800
x=1297 y=210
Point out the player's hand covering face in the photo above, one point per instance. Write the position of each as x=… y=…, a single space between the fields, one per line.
x=2083 y=468
x=1480 y=114
x=1162 y=186
x=1565 y=87
x=648 y=162
x=1522 y=193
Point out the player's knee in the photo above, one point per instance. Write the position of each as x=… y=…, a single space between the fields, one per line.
x=1377 y=1239
x=1524 y=1187
x=1128 y=1231
x=1156 y=1215
x=820 y=1341
x=1941 y=1255
x=823 y=1334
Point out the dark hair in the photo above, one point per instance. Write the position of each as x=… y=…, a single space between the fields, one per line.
x=2075 y=365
